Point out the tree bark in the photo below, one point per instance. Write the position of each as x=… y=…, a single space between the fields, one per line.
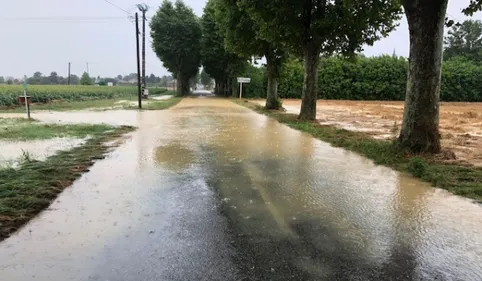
x=179 y=83
x=272 y=99
x=185 y=86
x=310 y=84
x=420 y=129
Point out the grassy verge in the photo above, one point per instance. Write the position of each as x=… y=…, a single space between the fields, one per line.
x=26 y=191
x=456 y=178
x=124 y=102
x=24 y=129
x=161 y=105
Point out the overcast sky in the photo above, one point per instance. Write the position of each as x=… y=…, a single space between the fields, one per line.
x=44 y=35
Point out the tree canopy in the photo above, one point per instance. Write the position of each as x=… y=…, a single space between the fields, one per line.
x=241 y=36
x=176 y=35
x=217 y=61
x=309 y=27
x=465 y=40
x=206 y=80
x=85 y=79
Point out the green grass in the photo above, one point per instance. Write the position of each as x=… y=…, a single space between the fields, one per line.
x=457 y=178
x=24 y=129
x=43 y=94
x=102 y=104
x=161 y=105
x=26 y=191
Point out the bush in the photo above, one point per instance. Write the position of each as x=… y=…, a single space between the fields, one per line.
x=379 y=78
x=461 y=80
x=157 y=91
x=257 y=87
x=291 y=80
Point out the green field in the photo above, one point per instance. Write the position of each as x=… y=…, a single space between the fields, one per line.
x=49 y=93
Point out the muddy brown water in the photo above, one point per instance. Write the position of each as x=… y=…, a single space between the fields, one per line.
x=212 y=191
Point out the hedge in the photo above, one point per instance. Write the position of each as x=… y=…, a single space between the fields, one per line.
x=376 y=78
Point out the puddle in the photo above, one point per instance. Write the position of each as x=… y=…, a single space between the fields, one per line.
x=383 y=120
x=167 y=97
x=12 y=153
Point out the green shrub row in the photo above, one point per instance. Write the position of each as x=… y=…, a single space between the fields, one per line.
x=375 y=78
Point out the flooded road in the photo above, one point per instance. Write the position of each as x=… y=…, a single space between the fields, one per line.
x=212 y=191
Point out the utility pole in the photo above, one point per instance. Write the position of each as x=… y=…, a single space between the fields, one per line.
x=143 y=8
x=87 y=68
x=68 y=79
x=138 y=64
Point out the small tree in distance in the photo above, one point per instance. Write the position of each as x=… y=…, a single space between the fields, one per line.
x=464 y=40
x=85 y=79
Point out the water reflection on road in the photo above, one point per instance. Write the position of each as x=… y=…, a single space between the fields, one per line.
x=211 y=191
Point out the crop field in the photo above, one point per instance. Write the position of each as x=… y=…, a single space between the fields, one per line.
x=49 y=93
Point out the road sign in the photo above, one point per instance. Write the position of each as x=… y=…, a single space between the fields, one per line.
x=241 y=81
x=244 y=80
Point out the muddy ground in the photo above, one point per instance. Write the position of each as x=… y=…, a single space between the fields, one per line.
x=461 y=123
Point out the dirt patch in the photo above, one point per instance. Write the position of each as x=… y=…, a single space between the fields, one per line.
x=460 y=123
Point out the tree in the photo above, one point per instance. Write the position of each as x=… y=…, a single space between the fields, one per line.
x=164 y=80
x=464 y=40
x=74 y=79
x=9 y=82
x=241 y=37
x=85 y=79
x=176 y=35
x=310 y=27
x=2 y=80
x=474 y=6
x=206 y=80
x=218 y=62
x=194 y=81
x=53 y=78
x=420 y=128
x=119 y=77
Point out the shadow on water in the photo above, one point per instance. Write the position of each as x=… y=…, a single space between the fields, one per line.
x=273 y=247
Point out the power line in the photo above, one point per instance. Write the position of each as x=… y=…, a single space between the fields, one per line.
x=63 y=19
x=114 y=5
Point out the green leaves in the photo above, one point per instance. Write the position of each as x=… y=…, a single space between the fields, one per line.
x=220 y=63
x=474 y=6
x=85 y=79
x=465 y=40
x=335 y=26
x=176 y=35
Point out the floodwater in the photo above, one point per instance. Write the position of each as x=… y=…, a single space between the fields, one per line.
x=212 y=191
x=11 y=152
x=460 y=122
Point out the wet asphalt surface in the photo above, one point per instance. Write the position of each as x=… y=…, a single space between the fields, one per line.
x=212 y=191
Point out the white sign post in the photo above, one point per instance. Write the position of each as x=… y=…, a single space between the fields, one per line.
x=241 y=81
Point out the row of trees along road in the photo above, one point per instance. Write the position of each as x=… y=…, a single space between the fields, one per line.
x=234 y=31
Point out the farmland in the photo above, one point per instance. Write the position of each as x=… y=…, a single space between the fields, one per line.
x=47 y=94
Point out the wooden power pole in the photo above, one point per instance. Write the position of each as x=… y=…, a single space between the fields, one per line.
x=139 y=92
x=143 y=8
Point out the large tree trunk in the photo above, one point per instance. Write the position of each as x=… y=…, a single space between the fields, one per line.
x=310 y=84
x=218 y=89
x=272 y=99
x=182 y=85
x=420 y=129
x=187 y=89
x=179 y=83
